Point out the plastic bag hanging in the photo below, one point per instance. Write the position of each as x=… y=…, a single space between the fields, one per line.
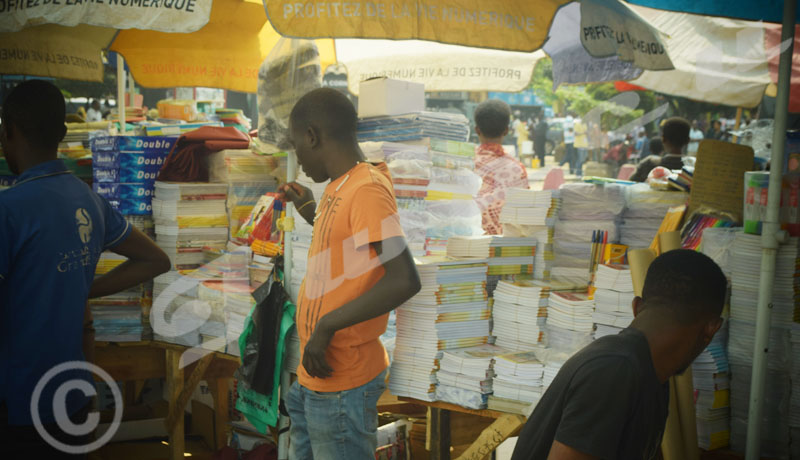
x=291 y=70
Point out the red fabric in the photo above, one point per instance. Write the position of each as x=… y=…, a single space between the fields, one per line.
x=186 y=162
x=623 y=86
x=499 y=172
x=772 y=39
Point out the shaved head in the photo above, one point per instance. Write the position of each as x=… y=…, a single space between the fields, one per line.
x=329 y=112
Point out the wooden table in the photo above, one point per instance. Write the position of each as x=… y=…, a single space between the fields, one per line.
x=139 y=361
x=504 y=426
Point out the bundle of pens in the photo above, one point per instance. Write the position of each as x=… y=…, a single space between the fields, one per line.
x=692 y=232
x=599 y=242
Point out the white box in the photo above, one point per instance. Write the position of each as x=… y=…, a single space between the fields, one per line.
x=383 y=96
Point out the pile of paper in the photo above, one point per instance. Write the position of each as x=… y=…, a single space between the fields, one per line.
x=414 y=127
x=465 y=375
x=538 y=208
x=613 y=299
x=585 y=208
x=124 y=169
x=117 y=317
x=745 y=271
x=518 y=382
x=645 y=210
x=711 y=377
x=450 y=311
x=569 y=321
x=519 y=315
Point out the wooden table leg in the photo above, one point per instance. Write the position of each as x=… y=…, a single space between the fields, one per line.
x=439 y=426
x=219 y=389
x=175 y=385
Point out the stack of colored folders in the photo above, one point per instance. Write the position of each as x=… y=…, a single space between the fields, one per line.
x=450 y=311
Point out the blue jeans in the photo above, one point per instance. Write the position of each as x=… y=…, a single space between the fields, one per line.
x=580 y=158
x=342 y=425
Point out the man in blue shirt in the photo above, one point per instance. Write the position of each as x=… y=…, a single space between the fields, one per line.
x=53 y=229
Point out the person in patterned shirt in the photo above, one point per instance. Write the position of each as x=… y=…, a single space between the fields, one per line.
x=499 y=170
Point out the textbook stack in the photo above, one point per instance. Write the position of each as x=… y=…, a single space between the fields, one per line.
x=613 y=299
x=569 y=321
x=711 y=378
x=519 y=315
x=124 y=170
x=644 y=212
x=465 y=375
x=533 y=214
x=117 y=317
x=585 y=208
x=746 y=263
x=518 y=382
x=189 y=217
x=230 y=302
x=409 y=166
x=449 y=312
x=509 y=258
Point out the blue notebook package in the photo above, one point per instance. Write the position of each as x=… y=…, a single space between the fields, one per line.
x=138 y=144
x=129 y=199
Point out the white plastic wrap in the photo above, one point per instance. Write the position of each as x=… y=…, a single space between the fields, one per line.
x=581 y=230
x=461 y=397
x=582 y=201
x=642 y=202
x=401 y=168
x=462 y=181
x=717 y=243
x=456 y=217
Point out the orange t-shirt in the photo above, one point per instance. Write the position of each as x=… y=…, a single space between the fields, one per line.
x=356 y=209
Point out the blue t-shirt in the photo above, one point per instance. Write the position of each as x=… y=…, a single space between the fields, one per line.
x=53 y=229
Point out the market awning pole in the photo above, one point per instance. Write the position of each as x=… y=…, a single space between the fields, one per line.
x=771 y=237
x=283 y=421
x=121 y=93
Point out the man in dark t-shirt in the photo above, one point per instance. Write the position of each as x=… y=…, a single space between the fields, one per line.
x=610 y=400
x=675 y=136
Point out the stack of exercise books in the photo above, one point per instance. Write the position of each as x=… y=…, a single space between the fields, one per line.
x=552 y=365
x=414 y=127
x=746 y=263
x=518 y=382
x=711 y=379
x=569 y=321
x=645 y=209
x=519 y=315
x=532 y=213
x=189 y=217
x=613 y=299
x=230 y=302
x=117 y=317
x=509 y=258
x=450 y=311
x=465 y=375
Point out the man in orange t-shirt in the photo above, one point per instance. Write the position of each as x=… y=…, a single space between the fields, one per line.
x=359 y=269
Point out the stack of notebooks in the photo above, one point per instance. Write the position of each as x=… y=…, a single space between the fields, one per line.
x=414 y=127
x=613 y=299
x=450 y=311
x=711 y=377
x=517 y=383
x=585 y=208
x=301 y=237
x=519 y=315
x=569 y=321
x=118 y=317
x=533 y=214
x=745 y=271
x=234 y=118
x=509 y=257
x=465 y=375
x=230 y=302
x=189 y=217
x=552 y=366
x=645 y=210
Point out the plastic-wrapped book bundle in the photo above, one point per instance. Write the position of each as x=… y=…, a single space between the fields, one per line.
x=644 y=211
x=745 y=271
x=410 y=169
x=465 y=375
x=584 y=209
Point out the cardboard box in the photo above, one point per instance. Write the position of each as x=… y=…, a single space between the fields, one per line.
x=383 y=96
